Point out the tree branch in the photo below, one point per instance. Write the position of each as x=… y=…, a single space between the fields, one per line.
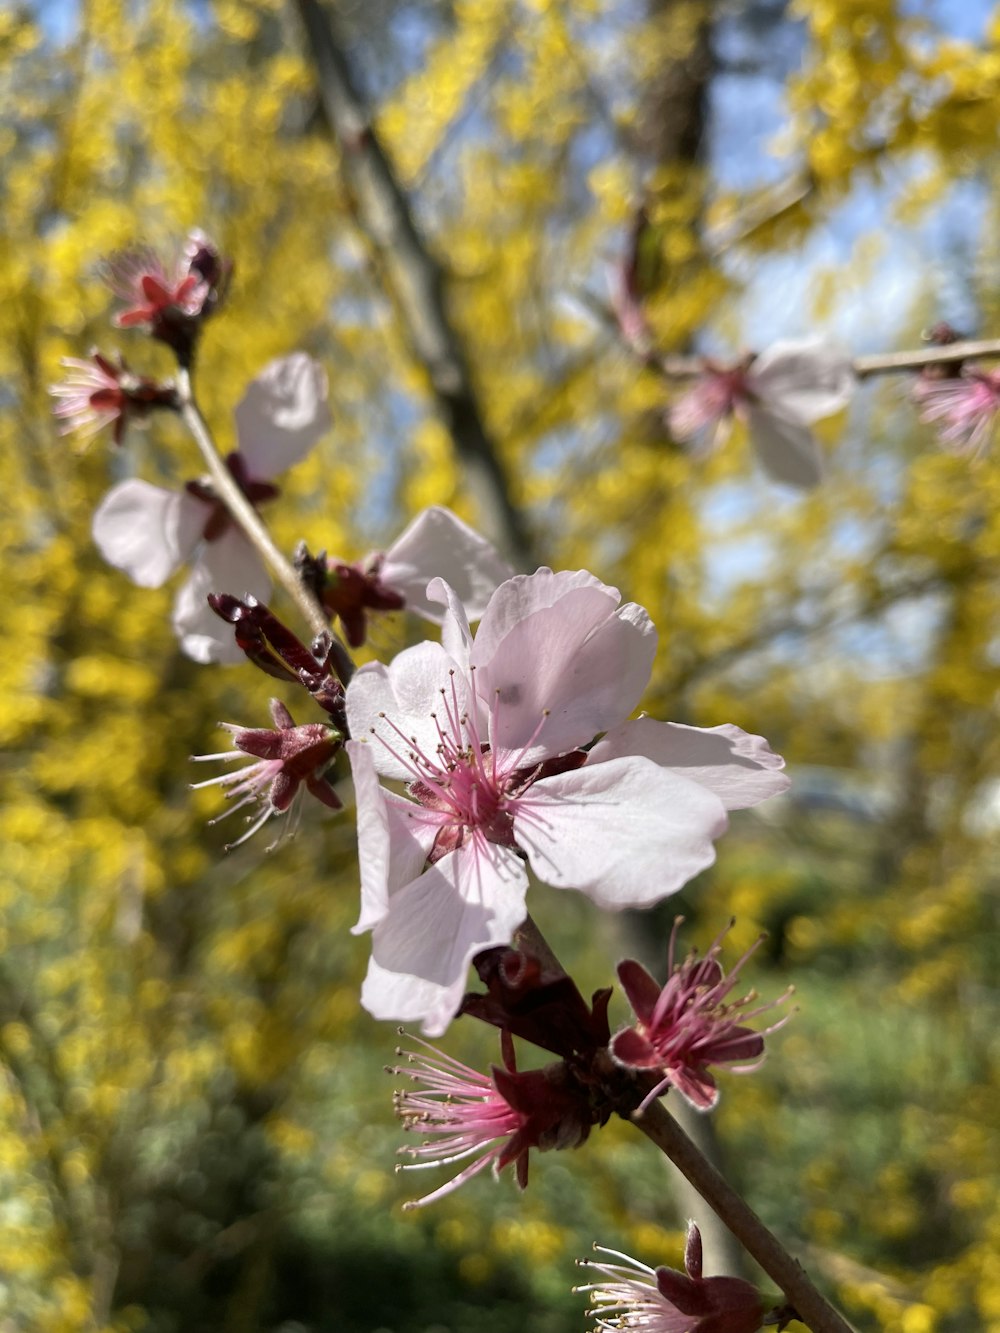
x=810 y=1306
x=416 y=283
x=243 y=512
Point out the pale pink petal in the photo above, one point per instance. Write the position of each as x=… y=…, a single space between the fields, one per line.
x=803 y=381
x=705 y=413
x=470 y=900
x=565 y=673
x=626 y=832
x=788 y=450
x=283 y=414
x=456 y=636
x=438 y=543
x=739 y=767
x=524 y=594
x=146 y=531
x=228 y=565
x=398 y=706
x=393 y=842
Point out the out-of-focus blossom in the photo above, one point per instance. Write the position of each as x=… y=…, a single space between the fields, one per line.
x=99 y=392
x=170 y=302
x=494 y=1119
x=631 y=1298
x=289 y=760
x=779 y=393
x=690 y=1024
x=489 y=734
x=962 y=408
x=149 y=532
x=435 y=544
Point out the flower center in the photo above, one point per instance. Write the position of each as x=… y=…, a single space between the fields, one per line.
x=460 y=782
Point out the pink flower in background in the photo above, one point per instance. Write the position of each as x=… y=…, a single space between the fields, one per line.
x=635 y=1299
x=97 y=392
x=436 y=544
x=487 y=733
x=689 y=1024
x=290 y=759
x=149 y=532
x=168 y=301
x=963 y=408
x=779 y=394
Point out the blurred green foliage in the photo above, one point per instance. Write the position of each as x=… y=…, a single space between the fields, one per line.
x=195 y=1132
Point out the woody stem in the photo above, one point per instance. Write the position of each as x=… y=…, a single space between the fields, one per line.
x=732 y=1209
x=242 y=511
x=885 y=363
x=810 y=1306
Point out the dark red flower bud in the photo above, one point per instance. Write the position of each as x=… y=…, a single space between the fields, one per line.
x=546 y=1009
x=278 y=652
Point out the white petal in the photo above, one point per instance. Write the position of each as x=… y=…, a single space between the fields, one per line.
x=146 y=531
x=788 y=450
x=456 y=636
x=470 y=900
x=405 y=697
x=803 y=380
x=739 y=767
x=565 y=673
x=227 y=565
x=282 y=414
x=524 y=594
x=392 y=845
x=438 y=543
x=625 y=832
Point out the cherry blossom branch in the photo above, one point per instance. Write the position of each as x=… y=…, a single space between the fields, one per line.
x=671 y=367
x=243 y=512
x=891 y=363
x=415 y=281
x=811 y=1307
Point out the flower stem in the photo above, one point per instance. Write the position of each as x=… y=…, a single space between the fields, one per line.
x=810 y=1306
x=243 y=512
x=733 y=1211
x=886 y=363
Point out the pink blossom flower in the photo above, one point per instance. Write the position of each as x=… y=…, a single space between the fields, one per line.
x=289 y=759
x=149 y=532
x=689 y=1024
x=436 y=544
x=488 y=733
x=963 y=407
x=98 y=393
x=494 y=1120
x=779 y=394
x=170 y=303
x=635 y=1299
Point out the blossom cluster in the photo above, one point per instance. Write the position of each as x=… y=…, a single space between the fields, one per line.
x=508 y=745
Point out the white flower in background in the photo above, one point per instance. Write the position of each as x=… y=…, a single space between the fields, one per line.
x=436 y=544
x=149 y=532
x=779 y=393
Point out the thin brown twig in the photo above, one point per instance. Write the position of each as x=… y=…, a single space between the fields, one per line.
x=671 y=367
x=243 y=513
x=810 y=1305
x=415 y=282
x=734 y=1212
